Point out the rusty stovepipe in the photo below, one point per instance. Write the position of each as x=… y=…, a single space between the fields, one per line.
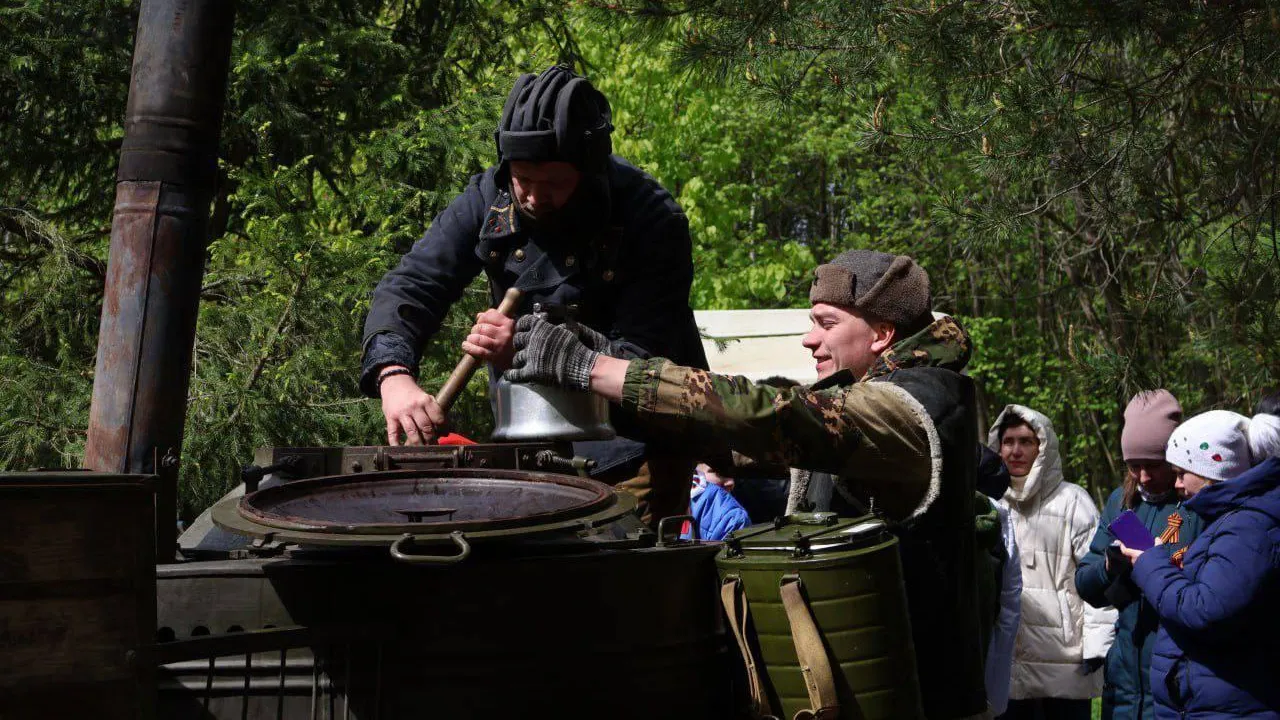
x=168 y=170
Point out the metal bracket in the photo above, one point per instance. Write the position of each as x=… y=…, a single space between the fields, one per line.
x=642 y=536
x=263 y=547
x=166 y=514
x=408 y=458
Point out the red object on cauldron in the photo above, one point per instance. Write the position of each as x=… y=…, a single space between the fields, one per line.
x=455 y=439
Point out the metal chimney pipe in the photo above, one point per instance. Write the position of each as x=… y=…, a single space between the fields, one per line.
x=159 y=234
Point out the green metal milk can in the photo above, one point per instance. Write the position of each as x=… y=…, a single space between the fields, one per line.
x=819 y=610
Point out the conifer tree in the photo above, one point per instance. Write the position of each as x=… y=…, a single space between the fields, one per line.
x=349 y=124
x=1104 y=173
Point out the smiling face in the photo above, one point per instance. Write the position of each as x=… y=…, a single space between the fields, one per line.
x=1019 y=448
x=543 y=187
x=844 y=339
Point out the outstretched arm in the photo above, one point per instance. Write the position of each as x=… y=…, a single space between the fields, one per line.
x=878 y=439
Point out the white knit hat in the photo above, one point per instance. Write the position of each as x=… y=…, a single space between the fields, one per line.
x=1220 y=444
x=1264 y=437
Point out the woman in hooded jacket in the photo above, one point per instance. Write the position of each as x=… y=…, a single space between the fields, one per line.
x=1217 y=654
x=1103 y=578
x=1061 y=640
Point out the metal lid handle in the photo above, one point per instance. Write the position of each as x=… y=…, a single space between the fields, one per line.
x=464 y=551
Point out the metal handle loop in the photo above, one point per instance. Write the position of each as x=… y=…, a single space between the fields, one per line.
x=678 y=520
x=464 y=551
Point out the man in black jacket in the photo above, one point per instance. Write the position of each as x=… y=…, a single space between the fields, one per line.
x=571 y=225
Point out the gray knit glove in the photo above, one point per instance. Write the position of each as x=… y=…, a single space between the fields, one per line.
x=592 y=339
x=550 y=355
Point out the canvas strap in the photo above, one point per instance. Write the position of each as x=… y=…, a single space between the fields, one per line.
x=815 y=666
x=735 y=606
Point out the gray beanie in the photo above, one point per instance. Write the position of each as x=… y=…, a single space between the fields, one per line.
x=889 y=287
x=1149 y=420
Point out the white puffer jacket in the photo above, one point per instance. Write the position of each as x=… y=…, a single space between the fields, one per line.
x=1054 y=522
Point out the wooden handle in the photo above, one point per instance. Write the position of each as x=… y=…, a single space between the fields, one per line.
x=468 y=365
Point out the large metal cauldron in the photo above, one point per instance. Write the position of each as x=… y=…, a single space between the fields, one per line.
x=508 y=594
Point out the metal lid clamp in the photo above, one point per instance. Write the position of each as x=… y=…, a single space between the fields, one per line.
x=802 y=549
x=549 y=460
x=733 y=547
x=252 y=475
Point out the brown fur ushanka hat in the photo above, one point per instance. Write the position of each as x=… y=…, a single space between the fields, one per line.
x=889 y=287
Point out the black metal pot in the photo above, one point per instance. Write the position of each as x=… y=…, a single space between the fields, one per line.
x=450 y=594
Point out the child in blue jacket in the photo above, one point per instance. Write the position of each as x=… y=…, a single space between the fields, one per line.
x=1217 y=654
x=714 y=508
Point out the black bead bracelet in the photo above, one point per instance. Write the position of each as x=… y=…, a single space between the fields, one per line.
x=393 y=371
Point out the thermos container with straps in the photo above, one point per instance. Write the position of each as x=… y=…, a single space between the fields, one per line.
x=817 y=605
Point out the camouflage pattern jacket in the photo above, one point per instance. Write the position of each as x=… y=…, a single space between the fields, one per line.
x=870 y=434
x=900 y=441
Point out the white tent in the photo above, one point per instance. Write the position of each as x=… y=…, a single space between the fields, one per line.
x=757 y=343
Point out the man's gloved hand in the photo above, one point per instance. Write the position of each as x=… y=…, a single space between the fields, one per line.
x=551 y=355
x=1092 y=665
x=592 y=339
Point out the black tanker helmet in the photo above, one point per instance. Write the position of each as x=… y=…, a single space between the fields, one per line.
x=557 y=115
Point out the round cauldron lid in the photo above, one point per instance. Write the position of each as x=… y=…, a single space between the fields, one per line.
x=375 y=508
x=807 y=533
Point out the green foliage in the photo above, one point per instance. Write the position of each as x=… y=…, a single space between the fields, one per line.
x=1090 y=185
x=348 y=126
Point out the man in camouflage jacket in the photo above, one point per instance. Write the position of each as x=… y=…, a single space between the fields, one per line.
x=891 y=418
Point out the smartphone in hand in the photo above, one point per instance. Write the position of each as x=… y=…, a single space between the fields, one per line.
x=1129 y=530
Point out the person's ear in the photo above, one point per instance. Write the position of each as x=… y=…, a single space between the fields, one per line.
x=883 y=336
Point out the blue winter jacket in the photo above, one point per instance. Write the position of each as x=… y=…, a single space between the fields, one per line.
x=716 y=511
x=1218 y=650
x=1126 y=692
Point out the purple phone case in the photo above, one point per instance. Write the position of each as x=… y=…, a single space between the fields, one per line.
x=1129 y=530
